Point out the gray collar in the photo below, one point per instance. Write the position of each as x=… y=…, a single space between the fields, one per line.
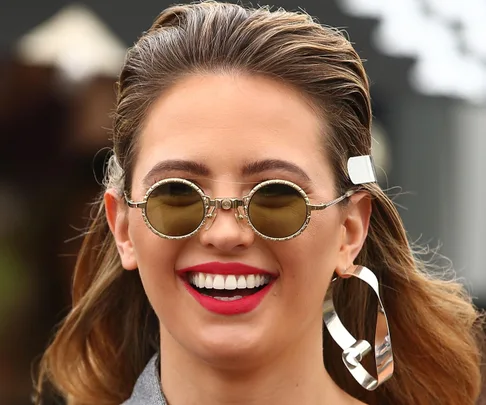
x=147 y=390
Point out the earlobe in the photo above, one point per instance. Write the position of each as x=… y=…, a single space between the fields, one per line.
x=117 y=217
x=354 y=230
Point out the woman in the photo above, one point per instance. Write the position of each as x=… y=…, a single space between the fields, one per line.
x=240 y=200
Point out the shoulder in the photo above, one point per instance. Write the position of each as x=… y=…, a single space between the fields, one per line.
x=147 y=390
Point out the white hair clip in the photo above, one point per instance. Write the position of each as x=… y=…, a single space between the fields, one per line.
x=361 y=169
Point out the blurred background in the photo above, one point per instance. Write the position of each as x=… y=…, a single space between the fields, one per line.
x=58 y=63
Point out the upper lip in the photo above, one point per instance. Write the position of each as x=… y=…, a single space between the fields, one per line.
x=225 y=269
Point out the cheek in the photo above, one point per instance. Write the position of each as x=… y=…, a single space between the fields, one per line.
x=307 y=265
x=156 y=263
x=310 y=259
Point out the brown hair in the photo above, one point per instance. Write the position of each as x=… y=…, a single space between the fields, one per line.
x=435 y=329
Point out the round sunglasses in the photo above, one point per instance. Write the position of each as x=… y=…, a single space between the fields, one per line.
x=277 y=210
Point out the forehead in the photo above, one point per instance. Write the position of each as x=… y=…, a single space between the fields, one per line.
x=226 y=121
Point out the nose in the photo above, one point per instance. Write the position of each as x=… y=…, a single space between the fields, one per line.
x=226 y=229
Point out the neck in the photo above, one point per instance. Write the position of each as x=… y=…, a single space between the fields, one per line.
x=294 y=376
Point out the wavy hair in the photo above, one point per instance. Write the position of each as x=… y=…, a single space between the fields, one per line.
x=435 y=329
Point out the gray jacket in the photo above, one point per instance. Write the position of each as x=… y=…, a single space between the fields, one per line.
x=147 y=389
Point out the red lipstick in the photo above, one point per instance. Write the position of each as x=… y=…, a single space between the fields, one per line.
x=239 y=306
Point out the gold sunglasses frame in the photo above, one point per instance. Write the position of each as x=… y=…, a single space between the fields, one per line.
x=211 y=205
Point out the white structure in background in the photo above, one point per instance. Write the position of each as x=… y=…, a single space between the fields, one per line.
x=442 y=141
x=468 y=194
x=447 y=38
x=77 y=42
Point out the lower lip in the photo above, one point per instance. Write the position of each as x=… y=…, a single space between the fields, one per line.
x=236 y=307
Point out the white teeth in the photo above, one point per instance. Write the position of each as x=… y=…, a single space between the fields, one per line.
x=241 y=282
x=209 y=281
x=258 y=280
x=218 y=282
x=201 y=280
x=236 y=297
x=228 y=282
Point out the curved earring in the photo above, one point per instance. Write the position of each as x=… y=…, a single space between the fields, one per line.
x=354 y=350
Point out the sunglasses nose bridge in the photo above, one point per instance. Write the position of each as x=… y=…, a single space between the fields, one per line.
x=225 y=204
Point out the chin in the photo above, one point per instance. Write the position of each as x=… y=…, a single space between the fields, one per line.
x=231 y=347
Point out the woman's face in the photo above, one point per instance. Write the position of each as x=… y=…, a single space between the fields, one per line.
x=223 y=124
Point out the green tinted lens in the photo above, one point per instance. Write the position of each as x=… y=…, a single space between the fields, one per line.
x=277 y=210
x=175 y=209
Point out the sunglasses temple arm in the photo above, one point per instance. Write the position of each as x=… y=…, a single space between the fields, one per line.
x=333 y=202
x=134 y=204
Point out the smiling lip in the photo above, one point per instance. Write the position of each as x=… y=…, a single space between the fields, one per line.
x=238 y=269
x=240 y=306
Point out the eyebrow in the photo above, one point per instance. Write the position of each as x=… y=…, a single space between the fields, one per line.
x=189 y=166
x=274 y=164
x=200 y=169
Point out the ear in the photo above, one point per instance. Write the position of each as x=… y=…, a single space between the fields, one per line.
x=117 y=216
x=356 y=220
